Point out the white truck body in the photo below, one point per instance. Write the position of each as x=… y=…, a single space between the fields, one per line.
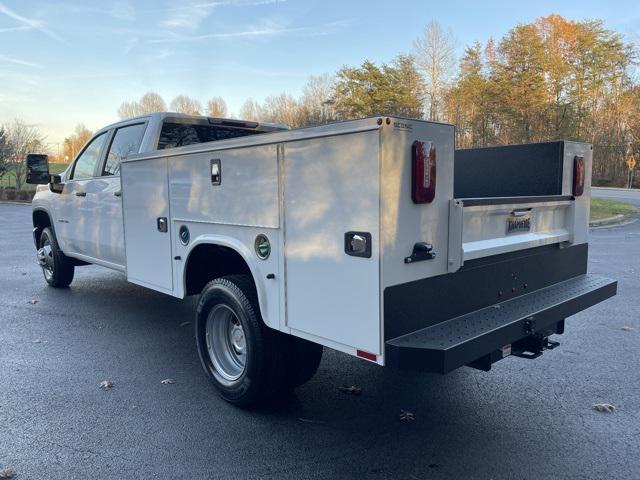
x=308 y=190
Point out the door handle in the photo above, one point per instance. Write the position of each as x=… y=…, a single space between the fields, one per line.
x=118 y=193
x=81 y=194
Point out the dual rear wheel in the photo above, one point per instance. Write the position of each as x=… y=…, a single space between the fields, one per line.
x=247 y=361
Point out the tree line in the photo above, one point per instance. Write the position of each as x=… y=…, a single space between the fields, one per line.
x=550 y=79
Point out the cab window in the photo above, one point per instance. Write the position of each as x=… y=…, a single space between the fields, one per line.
x=86 y=163
x=125 y=142
x=181 y=134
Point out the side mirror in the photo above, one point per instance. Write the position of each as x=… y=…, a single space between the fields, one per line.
x=55 y=183
x=37 y=169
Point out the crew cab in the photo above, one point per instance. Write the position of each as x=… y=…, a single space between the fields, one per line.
x=374 y=237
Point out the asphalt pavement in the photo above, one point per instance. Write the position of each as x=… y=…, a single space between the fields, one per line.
x=523 y=420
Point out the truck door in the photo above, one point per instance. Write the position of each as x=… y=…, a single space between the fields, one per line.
x=77 y=225
x=125 y=141
x=331 y=195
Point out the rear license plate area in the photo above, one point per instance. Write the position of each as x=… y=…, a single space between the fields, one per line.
x=519 y=222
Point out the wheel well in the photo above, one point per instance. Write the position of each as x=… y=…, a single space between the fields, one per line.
x=208 y=261
x=41 y=221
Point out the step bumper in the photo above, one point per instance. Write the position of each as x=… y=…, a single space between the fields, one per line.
x=459 y=341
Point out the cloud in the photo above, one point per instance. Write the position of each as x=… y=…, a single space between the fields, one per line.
x=266 y=29
x=29 y=22
x=225 y=3
x=133 y=41
x=17 y=61
x=14 y=29
x=162 y=54
x=122 y=11
x=189 y=17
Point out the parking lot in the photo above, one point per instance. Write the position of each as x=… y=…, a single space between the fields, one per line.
x=523 y=420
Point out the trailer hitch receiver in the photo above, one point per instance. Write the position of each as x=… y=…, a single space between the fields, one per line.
x=533 y=346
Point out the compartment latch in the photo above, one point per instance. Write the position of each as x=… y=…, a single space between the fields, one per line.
x=421 y=251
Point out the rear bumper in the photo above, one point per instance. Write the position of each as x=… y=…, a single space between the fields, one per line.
x=458 y=341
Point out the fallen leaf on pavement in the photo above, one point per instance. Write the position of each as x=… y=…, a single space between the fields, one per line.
x=352 y=390
x=627 y=328
x=307 y=420
x=406 y=416
x=604 y=407
x=168 y=381
x=106 y=384
x=7 y=473
x=33 y=302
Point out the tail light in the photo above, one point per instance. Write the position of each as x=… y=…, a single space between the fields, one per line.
x=578 y=176
x=423 y=183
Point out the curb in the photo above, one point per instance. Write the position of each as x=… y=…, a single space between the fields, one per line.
x=607 y=221
x=621 y=189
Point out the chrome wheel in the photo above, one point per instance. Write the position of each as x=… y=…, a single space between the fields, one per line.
x=45 y=258
x=226 y=342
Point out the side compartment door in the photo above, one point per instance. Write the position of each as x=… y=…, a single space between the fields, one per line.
x=331 y=188
x=145 y=204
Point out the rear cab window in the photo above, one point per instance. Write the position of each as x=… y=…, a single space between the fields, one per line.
x=175 y=134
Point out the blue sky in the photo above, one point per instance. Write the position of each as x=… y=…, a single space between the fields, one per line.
x=66 y=62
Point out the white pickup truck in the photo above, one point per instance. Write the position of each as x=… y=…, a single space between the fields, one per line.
x=374 y=237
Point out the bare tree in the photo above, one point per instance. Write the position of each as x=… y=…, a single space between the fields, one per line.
x=128 y=110
x=21 y=139
x=316 y=100
x=250 y=110
x=283 y=108
x=435 y=56
x=217 y=107
x=185 y=104
x=150 y=102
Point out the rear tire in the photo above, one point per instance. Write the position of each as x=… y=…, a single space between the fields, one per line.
x=303 y=361
x=243 y=358
x=57 y=268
